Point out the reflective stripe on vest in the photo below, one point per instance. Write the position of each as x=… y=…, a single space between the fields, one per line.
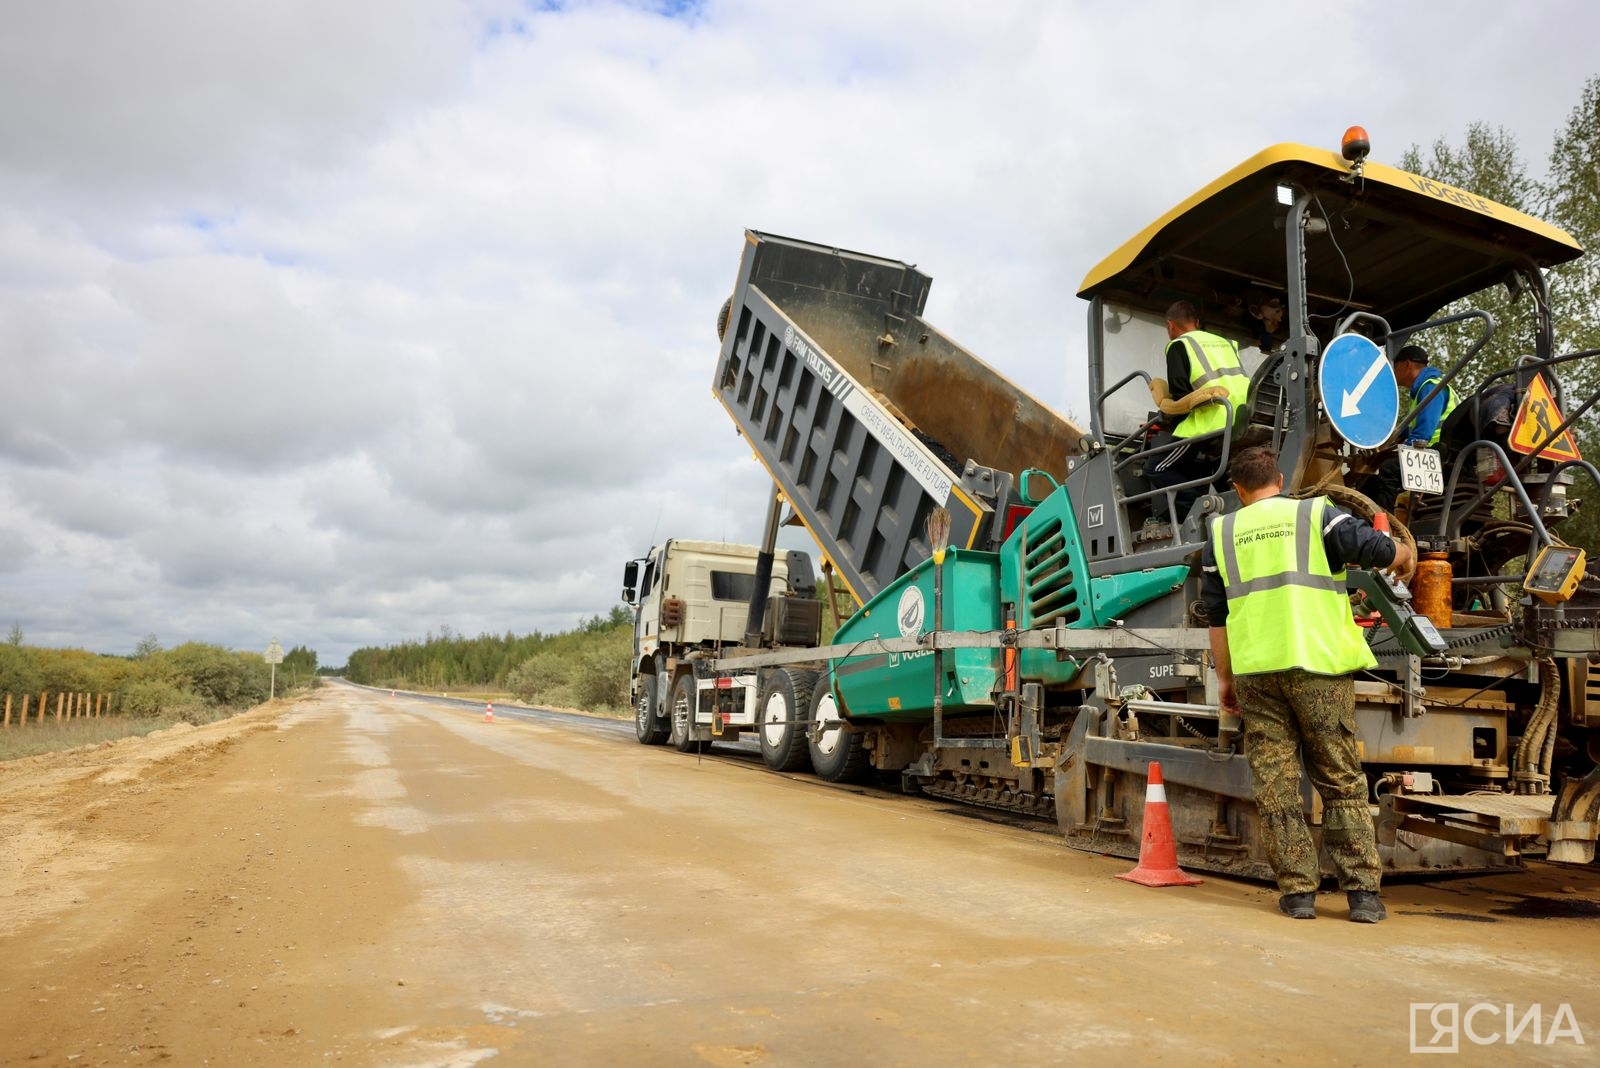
x=1213 y=361
x=1286 y=606
x=1450 y=402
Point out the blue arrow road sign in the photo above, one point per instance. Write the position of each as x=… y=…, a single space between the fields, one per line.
x=1359 y=391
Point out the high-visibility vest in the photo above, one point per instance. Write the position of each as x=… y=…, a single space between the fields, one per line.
x=1213 y=361
x=1421 y=388
x=1286 y=606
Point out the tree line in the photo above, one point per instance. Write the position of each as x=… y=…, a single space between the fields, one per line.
x=1489 y=162
x=192 y=680
x=586 y=667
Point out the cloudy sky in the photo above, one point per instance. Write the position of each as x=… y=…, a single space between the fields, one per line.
x=341 y=322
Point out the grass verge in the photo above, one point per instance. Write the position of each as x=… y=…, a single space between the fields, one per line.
x=48 y=737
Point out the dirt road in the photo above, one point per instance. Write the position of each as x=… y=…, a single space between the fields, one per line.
x=367 y=880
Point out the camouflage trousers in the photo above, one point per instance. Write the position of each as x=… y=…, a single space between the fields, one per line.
x=1287 y=713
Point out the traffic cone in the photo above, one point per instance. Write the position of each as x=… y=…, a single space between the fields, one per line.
x=1158 y=852
x=488 y=717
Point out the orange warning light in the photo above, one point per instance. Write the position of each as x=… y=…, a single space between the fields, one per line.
x=1355 y=146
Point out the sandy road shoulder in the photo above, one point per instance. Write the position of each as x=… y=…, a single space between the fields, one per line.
x=49 y=804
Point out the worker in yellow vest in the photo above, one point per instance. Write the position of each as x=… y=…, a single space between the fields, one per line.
x=1196 y=360
x=1285 y=650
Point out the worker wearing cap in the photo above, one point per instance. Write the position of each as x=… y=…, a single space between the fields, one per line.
x=1412 y=372
x=1422 y=423
x=1196 y=360
x=1285 y=650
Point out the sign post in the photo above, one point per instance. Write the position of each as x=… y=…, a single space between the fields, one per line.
x=274 y=657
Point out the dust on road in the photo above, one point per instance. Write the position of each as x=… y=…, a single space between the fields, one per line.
x=361 y=879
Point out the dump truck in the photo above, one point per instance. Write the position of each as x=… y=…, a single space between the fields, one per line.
x=1024 y=631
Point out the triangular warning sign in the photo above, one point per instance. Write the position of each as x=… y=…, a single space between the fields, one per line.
x=1537 y=419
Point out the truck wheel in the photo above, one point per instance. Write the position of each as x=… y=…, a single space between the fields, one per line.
x=722 y=318
x=648 y=722
x=683 y=695
x=836 y=751
x=785 y=704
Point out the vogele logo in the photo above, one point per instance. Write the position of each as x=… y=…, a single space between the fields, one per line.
x=1437 y=1026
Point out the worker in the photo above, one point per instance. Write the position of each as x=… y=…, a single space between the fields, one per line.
x=1422 y=424
x=1412 y=372
x=1285 y=650
x=1197 y=360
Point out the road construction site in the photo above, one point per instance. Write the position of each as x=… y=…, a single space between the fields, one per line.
x=361 y=879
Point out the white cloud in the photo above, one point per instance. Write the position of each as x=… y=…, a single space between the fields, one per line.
x=341 y=322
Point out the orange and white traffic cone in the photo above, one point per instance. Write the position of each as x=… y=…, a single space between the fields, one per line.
x=1158 y=851
x=488 y=717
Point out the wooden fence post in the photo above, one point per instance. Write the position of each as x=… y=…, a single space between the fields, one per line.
x=25 y=699
x=61 y=704
x=8 y=711
x=42 y=695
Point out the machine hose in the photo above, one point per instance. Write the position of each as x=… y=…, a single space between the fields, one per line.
x=1358 y=503
x=1536 y=749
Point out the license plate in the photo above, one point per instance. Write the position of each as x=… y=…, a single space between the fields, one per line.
x=1420 y=470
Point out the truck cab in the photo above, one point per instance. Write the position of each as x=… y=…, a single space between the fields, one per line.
x=694 y=597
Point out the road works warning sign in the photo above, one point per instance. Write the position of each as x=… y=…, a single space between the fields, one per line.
x=1537 y=420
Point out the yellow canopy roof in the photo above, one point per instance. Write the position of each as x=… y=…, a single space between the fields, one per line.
x=1396 y=243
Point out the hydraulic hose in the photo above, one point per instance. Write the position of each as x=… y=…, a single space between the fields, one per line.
x=1536 y=749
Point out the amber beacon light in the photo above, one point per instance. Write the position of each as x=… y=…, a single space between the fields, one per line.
x=1354 y=147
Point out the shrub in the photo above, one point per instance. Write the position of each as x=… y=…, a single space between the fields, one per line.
x=540 y=677
x=217 y=675
x=153 y=697
x=600 y=679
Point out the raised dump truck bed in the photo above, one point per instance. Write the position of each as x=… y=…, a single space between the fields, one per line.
x=866 y=415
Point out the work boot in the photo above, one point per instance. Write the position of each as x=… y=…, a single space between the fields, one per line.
x=1366 y=907
x=1300 y=906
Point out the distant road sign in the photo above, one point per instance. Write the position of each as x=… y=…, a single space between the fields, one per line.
x=1537 y=419
x=274 y=652
x=1359 y=390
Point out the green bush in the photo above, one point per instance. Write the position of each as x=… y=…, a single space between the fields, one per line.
x=151 y=697
x=541 y=677
x=219 y=676
x=600 y=680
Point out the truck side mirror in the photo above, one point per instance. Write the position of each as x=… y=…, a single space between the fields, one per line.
x=627 y=595
x=630 y=574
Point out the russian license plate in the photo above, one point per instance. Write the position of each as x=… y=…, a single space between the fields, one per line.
x=1420 y=470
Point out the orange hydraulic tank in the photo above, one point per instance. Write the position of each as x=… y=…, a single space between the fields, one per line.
x=1430 y=588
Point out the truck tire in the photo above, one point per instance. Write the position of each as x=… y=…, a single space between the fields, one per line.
x=649 y=724
x=836 y=751
x=722 y=318
x=682 y=711
x=785 y=703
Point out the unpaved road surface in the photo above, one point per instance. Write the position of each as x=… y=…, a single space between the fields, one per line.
x=360 y=879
